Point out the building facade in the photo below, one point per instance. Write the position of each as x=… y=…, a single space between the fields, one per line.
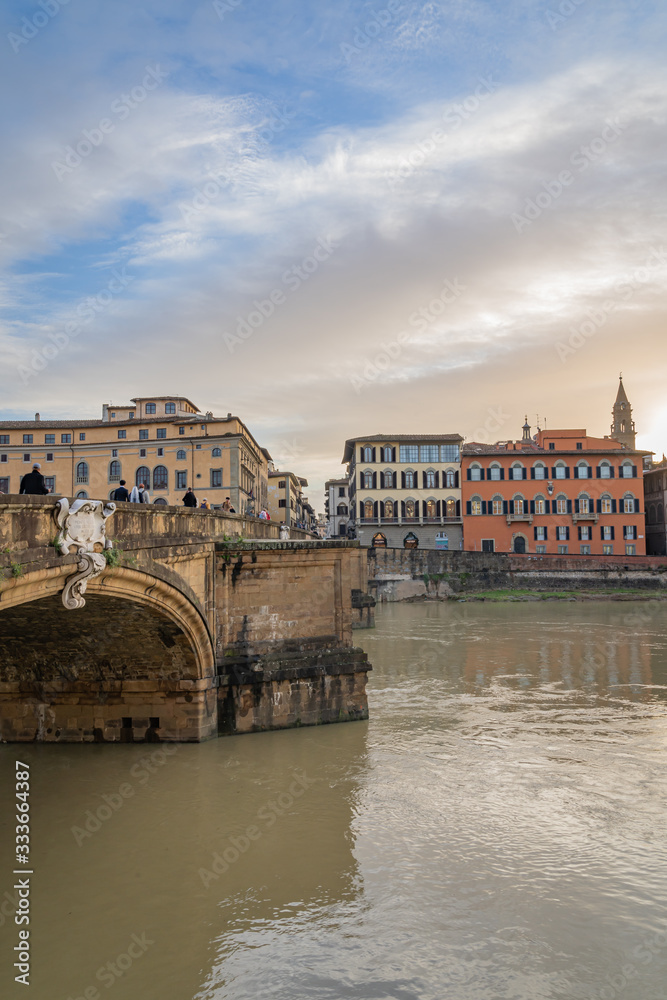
x=561 y=492
x=405 y=490
x=163 y=441
x=655 y=492
x=337 y=507
x=286 y=501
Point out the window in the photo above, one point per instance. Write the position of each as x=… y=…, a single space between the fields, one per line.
x=150 y=408
x=4 y=438
x=50 y=483
x=388 y=454
x=341 y=510
x=450 y=479
x=627 y=471
x=170 y=407
x=517 y=472
x=518 y=505
x=161 y=432
x=180 y=454
x=585 y=534
x=449 y=453
x=217 y=452
x=114 y=452
x=114 y=472
x=368 y=481
x=562 y=550
x=540 y=472
x=539 y=505
x=488 y=545
x=379 y=541
x=82 y=436
x=281 y=484
x=67 y=438
x=122 y=434
x=605 y=505
x=540 y=550
x=282 y=503
x=181 y=430
x=628 y=504
x=160 y=478
x=561 y=505
x=630 y=531
x=369 y=509
x=113 y=414
x=341 y=491
x=540 y=533
x=387 y=480
x=607 y=532
x=408 y=453
x=631 y=550
x=579 y=446
x=409 y=480
x=368 y=454
x=216 y=477
x=4 y=484
x=583 y=471
x=497 y=505
x=561 y=471
x=605 y=470
x=585 y=550
x=3 y=458
x=429 y=480
x=584 y=505
x=450 y=508
x=27 y=438
x=562 y=533
x=49 y=456
x=431 y=509
x=49 y=439
x=82 y=472
x=475 y=472
x=82 y=495
x=476 y=506
x=181 y=480
x=552 y=446
x=142 y=453
x=131 y=414
x=388 y=508
x=607 y=550
x=143 y=475
x=26 y=456
x=160 y=452
x=410 y=509
x=143 y=434
x=494 y=472
x=429 y=453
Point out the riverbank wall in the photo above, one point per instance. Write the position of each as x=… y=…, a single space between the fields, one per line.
x=403 y=574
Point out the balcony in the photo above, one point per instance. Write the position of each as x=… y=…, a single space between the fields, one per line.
x=590 y=516
x=526 y=516
x=409 y=521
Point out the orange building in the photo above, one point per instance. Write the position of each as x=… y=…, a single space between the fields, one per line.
x=560 y=492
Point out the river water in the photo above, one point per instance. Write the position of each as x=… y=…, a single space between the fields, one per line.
x=497 y=830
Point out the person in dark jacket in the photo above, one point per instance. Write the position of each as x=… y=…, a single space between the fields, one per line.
x=189 y=500
x=121 y=493
x=33 y=482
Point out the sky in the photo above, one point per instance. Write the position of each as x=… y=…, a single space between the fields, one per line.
x=336 y=219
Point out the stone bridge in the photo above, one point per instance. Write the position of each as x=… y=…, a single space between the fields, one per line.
x=194 y=624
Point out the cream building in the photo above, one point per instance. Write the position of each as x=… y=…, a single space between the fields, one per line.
x=405 y=490
x=337 y=507
x=287 y=503
x=163 y=441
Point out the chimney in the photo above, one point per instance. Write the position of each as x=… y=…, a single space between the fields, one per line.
x=37 y=418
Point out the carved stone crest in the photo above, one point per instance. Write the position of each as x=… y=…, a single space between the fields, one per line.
x=82 y=529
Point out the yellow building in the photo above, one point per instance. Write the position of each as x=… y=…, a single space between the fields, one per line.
x=287 y=502
x=163 y=441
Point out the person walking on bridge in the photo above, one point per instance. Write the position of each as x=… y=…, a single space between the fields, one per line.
x=33 y=482
x=189 y=500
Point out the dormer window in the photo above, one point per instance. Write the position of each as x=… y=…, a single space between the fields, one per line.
x=150 y=408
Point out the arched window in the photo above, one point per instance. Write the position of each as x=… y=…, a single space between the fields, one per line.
x=628 y=504
x=379 y=541
x=431 y=509
x=605 y=470
x=160 y=478
x=180 y=455
x=518 y=505
x=517 y=471
x=114 y=471
x=368 y=509
x=627 y=470
x=387 y=480
x=584 y=504
x=539 y=505
x=216 y=453
x=388 y=508
x=561 y=470
x=475 y=473
x=410 y=509
x=450 y=479
x=143 y=475
x=495 y=471
x=561 y=504
x=583 y=470
x=368 y=454
x=540 y=471
x=429 y=481
x=368 y=481
x=605 y=504
x=451 y=508
x=387 y=454
x=410 y=541
x=410 y=480
x=82 y=495
x=497 y=505
x=476 y=505
x=341 y=510
x=161 y=500
x=82 y=472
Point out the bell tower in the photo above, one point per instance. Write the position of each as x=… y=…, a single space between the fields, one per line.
x=623 y=426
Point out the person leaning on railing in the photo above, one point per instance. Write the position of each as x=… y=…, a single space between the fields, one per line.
x=33 y=482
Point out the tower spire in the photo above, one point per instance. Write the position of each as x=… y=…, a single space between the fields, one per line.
x=623 y=426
